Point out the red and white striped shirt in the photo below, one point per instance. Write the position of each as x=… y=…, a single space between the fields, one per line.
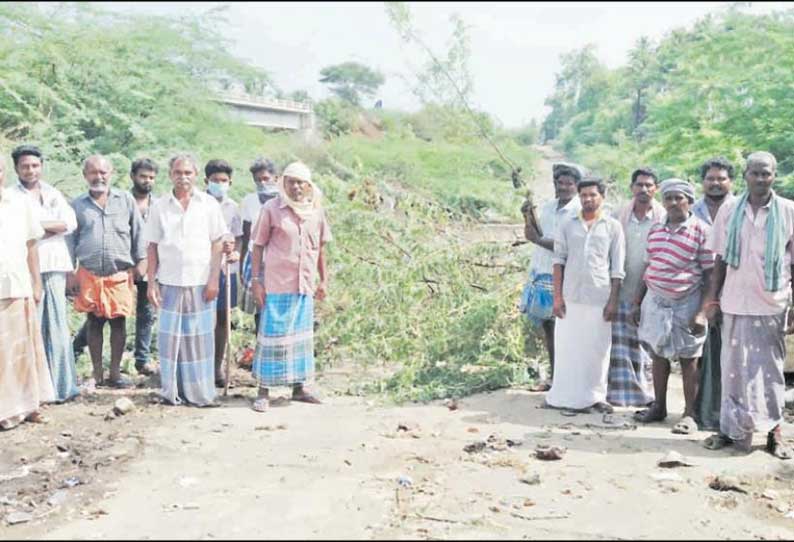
x=677 y=256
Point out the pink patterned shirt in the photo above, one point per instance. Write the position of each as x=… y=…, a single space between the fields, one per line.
x=292 y=247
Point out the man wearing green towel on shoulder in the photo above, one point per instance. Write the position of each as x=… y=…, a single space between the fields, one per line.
x=753 y=239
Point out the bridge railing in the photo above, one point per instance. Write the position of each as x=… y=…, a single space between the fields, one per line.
x=265 y=102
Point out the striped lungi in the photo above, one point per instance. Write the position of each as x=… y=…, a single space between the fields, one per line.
x=630 y=366
x=56 y=336
x=24 y=377
x=186 y=342
x=285 y=341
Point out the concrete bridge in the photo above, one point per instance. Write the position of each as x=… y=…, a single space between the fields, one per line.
x=269 y=112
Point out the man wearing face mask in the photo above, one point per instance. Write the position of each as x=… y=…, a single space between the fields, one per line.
x=218 y=177
x=263 y=172
x=109 y=249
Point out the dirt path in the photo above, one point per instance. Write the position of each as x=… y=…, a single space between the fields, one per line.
x=358 y=468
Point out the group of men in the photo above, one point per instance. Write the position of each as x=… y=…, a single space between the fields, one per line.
x=706 y=282
x=122 y=253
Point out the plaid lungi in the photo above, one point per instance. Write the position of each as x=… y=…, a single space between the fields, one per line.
x=24 y=377
x=186 y=342
x=630 y=366
x=56 y=336
x=537 y=298
x=285 y=342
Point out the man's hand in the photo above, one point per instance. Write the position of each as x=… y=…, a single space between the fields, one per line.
x=790 y=321
x=259 y=293
x=712 y=311
x=233 y=257
x=559 y=307
x=139 y=271
x=153 y=293
x=72 y=285
x=636 y=314
x=610 y=311
x=211 y=290
x=37 y=291
x=319 y=294
x=698 y=324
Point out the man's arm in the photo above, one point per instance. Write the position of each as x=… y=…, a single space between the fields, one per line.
x=711 y=304
x=321 y=271
x=153 y=288
x=138 y=243
x=557 y=279
x=245 y=239
x=33 y=269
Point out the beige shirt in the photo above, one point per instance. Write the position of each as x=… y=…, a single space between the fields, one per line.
x=744 y=292
x=184 y=237
x=636 y=236
x=54 y=253
x=18 y=225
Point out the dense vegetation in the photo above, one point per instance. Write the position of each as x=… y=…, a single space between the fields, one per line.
x=722 y=87
x=410 y=291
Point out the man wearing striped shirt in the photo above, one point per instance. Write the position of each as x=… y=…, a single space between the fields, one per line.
x=669 y=302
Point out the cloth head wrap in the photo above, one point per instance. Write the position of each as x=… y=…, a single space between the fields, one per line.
x=678 y=185
x=306 y=208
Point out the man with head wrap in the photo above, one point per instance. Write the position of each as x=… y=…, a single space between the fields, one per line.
x=537 y=297
x=753 y=238
x=630 y=380
x=294 y=228
x=670 y=317
x=716 y=175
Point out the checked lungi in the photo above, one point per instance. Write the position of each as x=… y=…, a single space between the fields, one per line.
x=186 y=341
x=630 y=366
x=24 y=377
x=285 y=341
x=56 y=336
x=537 y=298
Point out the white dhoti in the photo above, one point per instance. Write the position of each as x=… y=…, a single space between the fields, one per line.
x=582 y=342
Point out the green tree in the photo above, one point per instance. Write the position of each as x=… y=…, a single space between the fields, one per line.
x=351 y=80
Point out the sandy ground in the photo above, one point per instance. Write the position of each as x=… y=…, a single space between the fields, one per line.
x=334 y=471
x=356 y=467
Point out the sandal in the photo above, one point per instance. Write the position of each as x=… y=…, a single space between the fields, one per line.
x=540 y=387
x=261 y=404
x=717 y=442
x=305 y=397
x=776 y=446
x=686 y=426
x=36 y=417
x=121 y=383
x=603 y=408
x=650 y=414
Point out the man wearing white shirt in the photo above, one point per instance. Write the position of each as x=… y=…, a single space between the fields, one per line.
x=185 y=233
x=57 y=218
x=25 y=381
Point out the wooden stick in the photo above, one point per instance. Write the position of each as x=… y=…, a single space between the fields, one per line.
x=228 y=328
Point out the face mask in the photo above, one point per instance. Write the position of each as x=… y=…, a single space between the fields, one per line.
x=217 y=189
x=270 y=189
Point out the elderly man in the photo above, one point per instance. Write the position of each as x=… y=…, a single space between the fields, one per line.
x=108 y=246
x=24 y=378
x=716 y=175
x=143 y=173
x=290 y=240
x=218 y=177
x=630 y=379
x=537 y=298
x=185 y=233
x=56 y=217
x=589 y=264
x=671 y=319
x=753 y=238
x=263 y=172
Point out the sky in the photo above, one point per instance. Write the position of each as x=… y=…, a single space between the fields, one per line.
x=515 y=47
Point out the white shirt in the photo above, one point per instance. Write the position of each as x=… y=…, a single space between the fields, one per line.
x=231 y=214
x=184 y=237
x=550 y=218
x=52 y=206
x=250 y=207
x=18 y=225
